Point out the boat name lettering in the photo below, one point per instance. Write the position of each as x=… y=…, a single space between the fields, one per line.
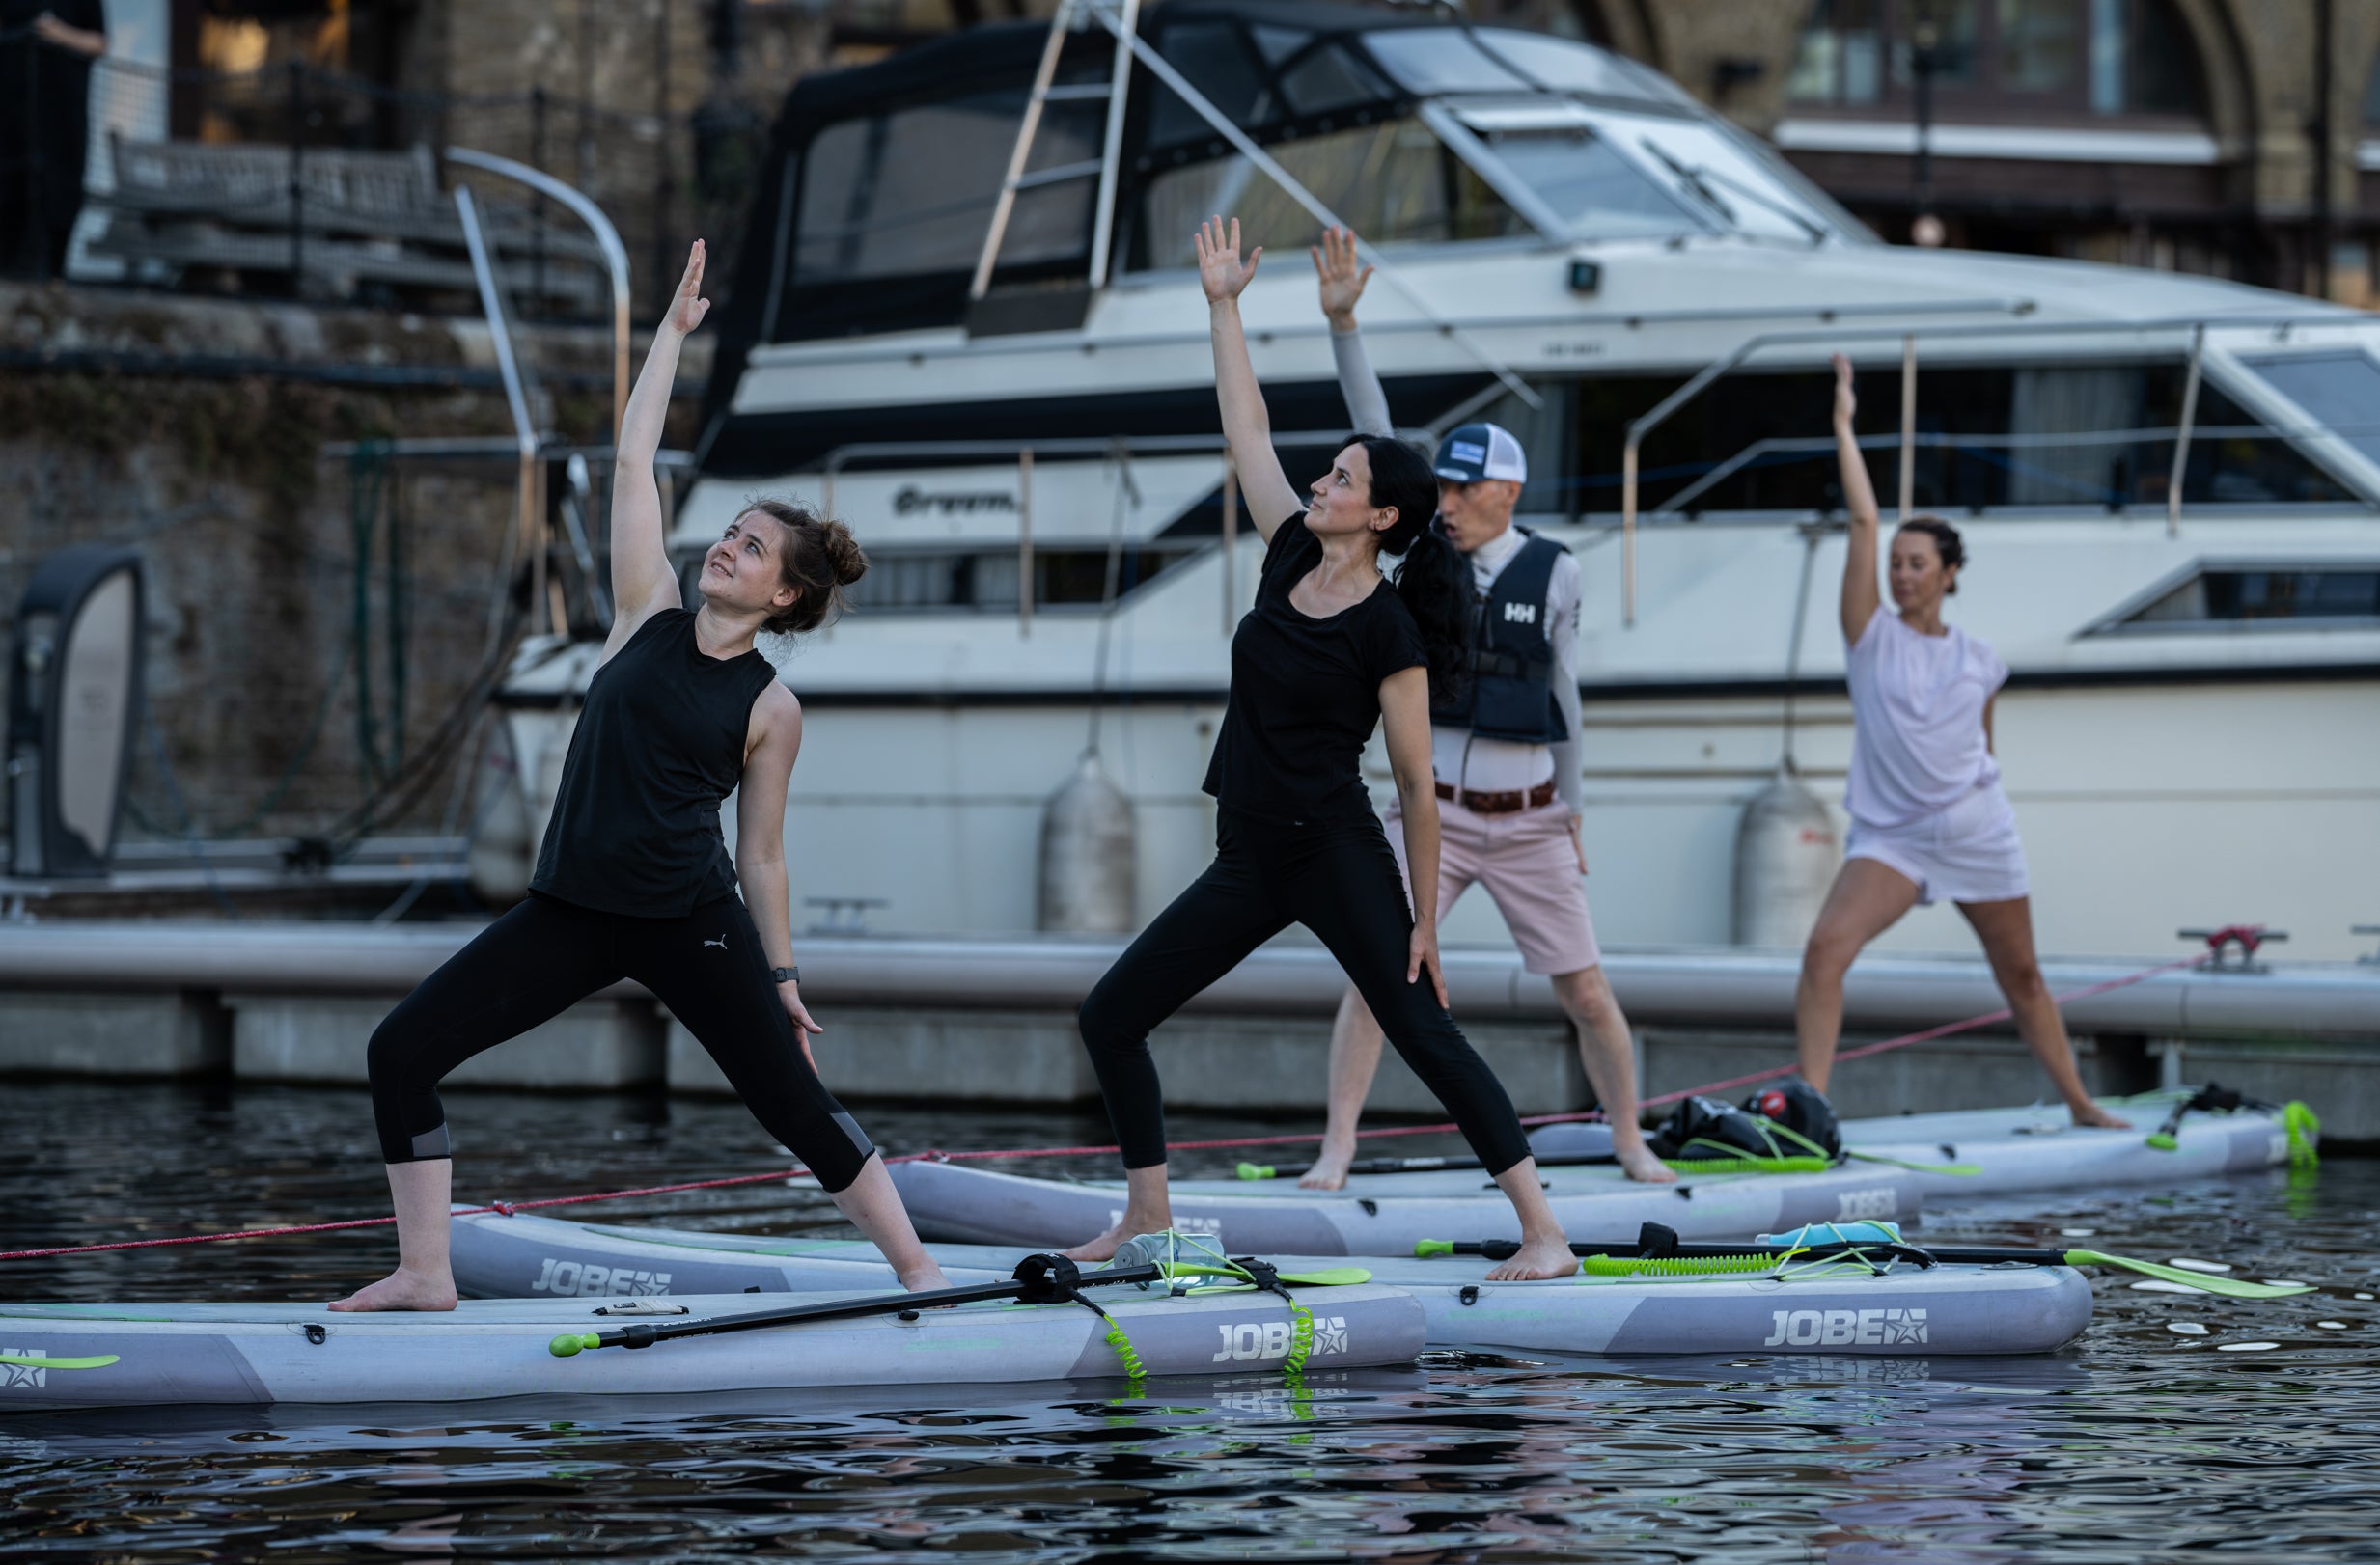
x=1270 y=1339
x=1879 y=1202
x=583 y=1279
x=911 y=498
x=1844 y=1328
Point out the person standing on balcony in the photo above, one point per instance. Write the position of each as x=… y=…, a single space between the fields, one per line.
x=1330 y=653
x=47 y=47
x=1929 y=822
x=1503 y=751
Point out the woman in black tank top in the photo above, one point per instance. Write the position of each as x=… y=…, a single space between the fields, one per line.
x=633 y=878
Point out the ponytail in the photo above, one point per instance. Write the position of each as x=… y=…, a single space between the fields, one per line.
x=1435 y=583
x=1433 y=580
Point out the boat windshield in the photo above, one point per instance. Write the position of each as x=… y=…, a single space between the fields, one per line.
x=1393 y=181
x=1607 y=174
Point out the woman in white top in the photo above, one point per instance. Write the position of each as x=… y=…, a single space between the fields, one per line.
x=1928 y=820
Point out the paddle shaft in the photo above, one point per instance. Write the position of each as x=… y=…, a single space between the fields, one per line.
x=1390 y=1166
x=643 y=1334
x=1502 y=1249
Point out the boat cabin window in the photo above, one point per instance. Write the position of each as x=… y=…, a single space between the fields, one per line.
x=1391 y=182
x=2341 y=390
x=985 y=580
x=910 y=192
x=2074 y=435
x=2255 y=596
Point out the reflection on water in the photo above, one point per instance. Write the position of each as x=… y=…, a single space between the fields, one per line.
x=2139 y=1442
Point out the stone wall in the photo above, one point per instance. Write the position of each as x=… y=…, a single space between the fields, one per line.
x=194 y=429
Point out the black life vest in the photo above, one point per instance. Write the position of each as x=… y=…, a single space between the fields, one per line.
x=1510 y=693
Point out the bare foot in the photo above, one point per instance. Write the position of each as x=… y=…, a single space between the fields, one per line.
x=1329 y=1170
x=401 y=1289
x=1640 y=1164
x=2098 y=1118
x=1104 y=1248
x=923 y=1278
x=1538 y=1258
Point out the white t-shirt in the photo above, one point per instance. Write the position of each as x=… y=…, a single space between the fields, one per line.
x=1917 y=713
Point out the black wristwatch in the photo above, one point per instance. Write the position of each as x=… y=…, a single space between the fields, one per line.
x=785 y=974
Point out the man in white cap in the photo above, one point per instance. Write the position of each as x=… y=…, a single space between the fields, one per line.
x=1505 y=754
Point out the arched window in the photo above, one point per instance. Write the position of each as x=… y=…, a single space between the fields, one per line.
x=2004 y=59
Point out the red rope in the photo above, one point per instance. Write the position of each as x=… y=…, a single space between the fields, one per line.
x=507 y=1208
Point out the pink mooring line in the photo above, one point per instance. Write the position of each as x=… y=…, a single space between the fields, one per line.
x=507 y=1208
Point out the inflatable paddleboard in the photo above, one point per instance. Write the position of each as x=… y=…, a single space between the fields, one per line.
x=1389 y=1214
x=2013 y=1151
x=1955 y=1310
x=97 y=1356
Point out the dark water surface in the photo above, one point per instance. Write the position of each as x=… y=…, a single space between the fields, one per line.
x=2139 y=1442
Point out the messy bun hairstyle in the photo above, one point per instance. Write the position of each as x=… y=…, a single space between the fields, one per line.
x=1947 y=544
x=819 y=559
x=1432 y=580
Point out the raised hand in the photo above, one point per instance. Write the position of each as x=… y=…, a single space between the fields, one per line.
x=1846 y=400
x=689 y=306
x=1220 y=271
x=1341 y=280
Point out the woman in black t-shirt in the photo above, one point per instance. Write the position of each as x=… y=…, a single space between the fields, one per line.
x=1329 y=651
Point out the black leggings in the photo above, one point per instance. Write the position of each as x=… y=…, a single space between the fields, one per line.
x=545 y=956
x=1339 y=879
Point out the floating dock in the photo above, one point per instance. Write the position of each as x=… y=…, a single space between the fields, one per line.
x=962 y=1020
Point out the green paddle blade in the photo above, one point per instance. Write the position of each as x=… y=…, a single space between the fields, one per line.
x=2163 y=1143
x=568 y=1343
x=1256 y=1170
x=34 y=1361
x=2205 y=1282
x=1423 y=1248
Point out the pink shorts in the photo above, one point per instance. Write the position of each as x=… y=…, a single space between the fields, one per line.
x=1527 y=864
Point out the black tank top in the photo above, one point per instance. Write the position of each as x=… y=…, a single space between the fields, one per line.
x=659 y=744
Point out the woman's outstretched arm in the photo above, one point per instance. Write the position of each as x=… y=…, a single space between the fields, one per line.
x=772 y=743
x=1404 y=718
x=1343 y=278
x=1247 y=429
x=1860 y=597
x=642 y=581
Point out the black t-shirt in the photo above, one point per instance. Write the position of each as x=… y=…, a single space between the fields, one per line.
x=1306 y=692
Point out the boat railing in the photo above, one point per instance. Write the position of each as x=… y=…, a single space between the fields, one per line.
x=1909 y=441
x=1115 y=448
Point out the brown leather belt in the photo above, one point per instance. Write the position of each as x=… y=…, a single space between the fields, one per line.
x=1504 y=801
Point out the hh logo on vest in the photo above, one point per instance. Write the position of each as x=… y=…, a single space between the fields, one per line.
x=1521 y=613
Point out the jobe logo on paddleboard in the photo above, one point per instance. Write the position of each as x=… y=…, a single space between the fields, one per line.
x=583 y=1279
x=1865 y=1203
x=22 y=1368
x=1844 y=1328
x=1271 y=1340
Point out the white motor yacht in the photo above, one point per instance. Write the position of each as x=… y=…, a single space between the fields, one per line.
x=966 y=320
